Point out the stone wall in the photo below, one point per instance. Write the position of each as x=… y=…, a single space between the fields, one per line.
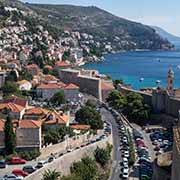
x=63 y=164
x=160 y=100
x=87 y=84
x=61 y=147
x=125 y=91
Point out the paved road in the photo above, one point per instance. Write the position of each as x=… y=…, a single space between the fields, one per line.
x=107 y=116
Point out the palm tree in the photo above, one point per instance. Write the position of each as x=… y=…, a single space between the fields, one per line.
x=51 y=175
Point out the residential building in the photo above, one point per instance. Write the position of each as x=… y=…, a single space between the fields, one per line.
x=56 y=119
x=61 y=65
x=14 y=110
x=72 y=92
x=17 y=100
x=33 y=69
x=35 y=113
x=24 y=85
x=47 y=91
x=79 y=128
x=28 y=134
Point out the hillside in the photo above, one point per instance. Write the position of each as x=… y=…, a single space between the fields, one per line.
x=170 y=37
x=121 y=33
x=110 y=33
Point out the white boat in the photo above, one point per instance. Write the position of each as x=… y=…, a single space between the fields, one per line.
x=141 y=79
x=158 y=81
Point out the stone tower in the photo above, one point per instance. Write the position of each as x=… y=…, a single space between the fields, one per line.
x=170 y=86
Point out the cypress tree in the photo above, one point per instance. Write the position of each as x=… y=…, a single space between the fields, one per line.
x=10 y=137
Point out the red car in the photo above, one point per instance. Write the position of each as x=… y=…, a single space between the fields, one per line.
x=17 y=160
x=19 y=172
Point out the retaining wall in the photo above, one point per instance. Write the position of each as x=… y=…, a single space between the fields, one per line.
x=63 y=164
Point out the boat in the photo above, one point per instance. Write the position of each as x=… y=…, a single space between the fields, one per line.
x=141 y=79
x=158 y=60
x=158 y=81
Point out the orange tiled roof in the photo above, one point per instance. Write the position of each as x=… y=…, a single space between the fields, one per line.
x=62 y=64
x=11 y=106
x=36 y=111
x=22 y=82
x=48 y=67
x=81 y=127
x=50 y=78
x=51 y=86
x=32 y=66
x=71 y=86
x=56 y=118
x=17 y=100
x=2 y=122
x=26 y=124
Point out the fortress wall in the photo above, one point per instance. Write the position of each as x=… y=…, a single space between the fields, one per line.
x=87 y=84
x=147 y=97
x=173 y=107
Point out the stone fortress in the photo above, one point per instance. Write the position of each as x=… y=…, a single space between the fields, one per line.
x=163 y=100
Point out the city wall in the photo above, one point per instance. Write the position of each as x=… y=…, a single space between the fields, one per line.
x=160 y=100
x=87 y=84
x=63 y=164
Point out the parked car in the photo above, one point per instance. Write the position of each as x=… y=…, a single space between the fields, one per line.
x=29 y=169
x=3 y=164
x=17 y=160
x=51 y=159
x=11 y=177
x=40 y=164
x=19 y=172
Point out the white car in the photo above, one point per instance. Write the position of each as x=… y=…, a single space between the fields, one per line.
x=125 y=173
x=126 y=154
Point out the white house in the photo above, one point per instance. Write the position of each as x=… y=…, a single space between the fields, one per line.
x=24 y=85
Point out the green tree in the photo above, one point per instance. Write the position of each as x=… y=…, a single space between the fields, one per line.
x=10 y=137
x=52 y=136
x=88 y=115
x=9 y=88
x=12 y=76
x=58 y=98
x=102 y=156
x=86 y=169
x=116 y=100
x=136 y=108
x=51 y=175
x=116 y=82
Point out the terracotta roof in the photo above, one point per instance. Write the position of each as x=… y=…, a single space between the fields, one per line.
x=36 y=111
x=17 y=100
x=26 y=124
x=81 y=127
x=22 y=82
x=71 y=86
x=62 y=64
x=32 y=66
x=106 y=86
x=11 y=106
x=48 y=67
x=50 y=78
x=2 y=122
x=51 y=86
x=55 y=118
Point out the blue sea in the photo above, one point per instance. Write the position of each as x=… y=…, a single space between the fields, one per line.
x=131 y=66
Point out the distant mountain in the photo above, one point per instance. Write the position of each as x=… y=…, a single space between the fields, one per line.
x=108 y=30
x=170 y=37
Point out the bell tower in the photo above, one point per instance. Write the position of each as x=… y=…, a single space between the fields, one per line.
x=170 y=86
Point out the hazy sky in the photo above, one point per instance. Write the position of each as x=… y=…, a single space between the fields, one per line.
x=163 y=13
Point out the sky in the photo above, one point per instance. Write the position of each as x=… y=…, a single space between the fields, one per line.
x=162 y=13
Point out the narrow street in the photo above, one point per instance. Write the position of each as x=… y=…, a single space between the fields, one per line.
x=107 y=116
